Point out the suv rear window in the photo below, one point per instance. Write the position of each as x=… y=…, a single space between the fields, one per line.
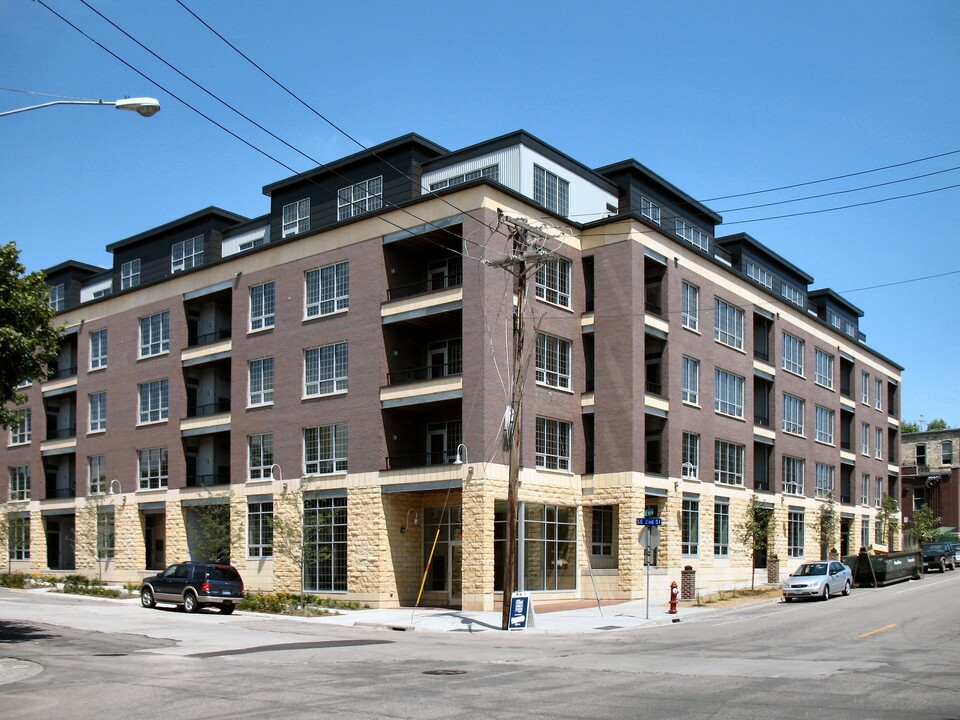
x=223 y=573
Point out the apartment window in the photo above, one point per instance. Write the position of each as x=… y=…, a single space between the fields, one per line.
x=691 y=381
x=792 y=354
x=690 y=456
x=919 y=498
x=721 y=527
x=262 y=306
x=296 y=217
x=793 y=415
x=97 y=474
x=865 y=439
x=792 y=294
x=98 y=411
x=325 y=370
x=261 y=381
x=728 y=460
x=878 y=444
x=878 y=394
x=795 y=534
x=650 y=210
x=946 y=452
x=825 y=420
x=865 y=531
x=57 y=298
x=325 y=544
x=602 y=535
x=20 y=430
x=549 y=535
x=793 y=472
x=921 y=453
x=553 y=281
x=729 y=393
x=690 y=526
x=551 y=191
x=98 y=349
x=325 y=449
x=187 y=254
x=865 y=388
x=553 y=444
x=878 y=532
x=824 y=369
x=865 y=489
x=825 y=477
x=260 y=456
x=260 y=529
x=106 y=534
x=877 y=491
x=19 y=483
x=553 y=361
x=152 y=468
x=18 y=537
x=491 y=172
x=759 y=275
x=327 y=289
x=728 y=324
x=154 y=401
x=155 y=334
x=130 y=274
x=692 y=235
x=365 y=196
x=690 y=306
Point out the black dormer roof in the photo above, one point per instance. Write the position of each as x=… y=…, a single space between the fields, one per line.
x=207 y=214
x=834 y=298
x=731 y=243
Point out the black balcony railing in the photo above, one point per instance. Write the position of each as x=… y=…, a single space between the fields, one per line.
x=404 y=462
x=220 y=478
x=654 y=308
x=846 y=445
x=425 y=286
x=63 y=372
x=430 y=372
x=654 y=388
x=653 y=466
x=221 y=406
x=761 y=420
x=761 y=484
x=55 y=490
x=761 y=354
x=61 y=433
x=209 y=338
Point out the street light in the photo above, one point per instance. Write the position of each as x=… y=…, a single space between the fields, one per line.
x=111 y=491
x=145 y=106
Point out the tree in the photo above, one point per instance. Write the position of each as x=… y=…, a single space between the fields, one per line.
x=208 y=528
x=297 y=535
x=755 y=530
x=29 y=342
x=909 y=427
x=925 y=524
x=887 y=518
x=827 y=525
x=937 y=424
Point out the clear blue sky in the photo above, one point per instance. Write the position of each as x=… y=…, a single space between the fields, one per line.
x=719 y=98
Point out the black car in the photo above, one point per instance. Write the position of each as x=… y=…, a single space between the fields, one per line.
x=193 y=585
x=939 y=555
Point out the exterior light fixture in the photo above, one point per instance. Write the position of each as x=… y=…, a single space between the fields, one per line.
x=145 y=106
x=416 y=520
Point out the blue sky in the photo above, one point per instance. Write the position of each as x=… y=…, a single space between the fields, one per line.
x=718 y=98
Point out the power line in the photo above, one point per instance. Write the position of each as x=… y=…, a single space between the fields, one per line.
x=903 y=282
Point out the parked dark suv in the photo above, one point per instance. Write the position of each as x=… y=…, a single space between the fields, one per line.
x=939 y=555
x=193 y=585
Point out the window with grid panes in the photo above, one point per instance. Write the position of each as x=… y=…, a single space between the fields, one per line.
x=865 y=388
x=692 y=235
x=728 y=462
x=553 y=361
x=325 y=370
x=793 y=408
x=721 y=527
x=296 y=217
x=327 y=290
x=260 y=529
x=325 y=449
x=792 y=353
x=825 y=419
x=690 y=456
x=865 y=489
x=878 y=444
x=729 y=393
x=359 y=198
x=795 y=533
x=18 y=537
x=21 y=429
x=187 y=254
x=155 y=334
x=98 y=411
x=793 y=472
x=260 y=456
x=650 y=210
x=553 y=281
x=98 y=349
x=154 y=401
x=759 y=275
x=728 y=324
x=19 y=483
x=57 y=298
x=130 y=274
x=824 y=369
x=551 y=191
x=878 y=394
x=152 y=467
x=690 y=306
x=865 y=439
x=690 y=526
x=106 y=533
x=553 y=444
x=825 y=478
x=602 y=530
x=691 y=380
x=97 y=474
x=878 y=492
x=261 y=381
x=325 y=544
x=262 y=306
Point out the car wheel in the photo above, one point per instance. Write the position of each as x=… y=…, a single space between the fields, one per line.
x=826 y=593
x=190 y=603
x=227 y=608
x=943 y=565
x=787 y=599
x=953 y=565
x=147 y=599
x=846 y=588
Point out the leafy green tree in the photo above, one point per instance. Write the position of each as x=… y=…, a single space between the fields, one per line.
x=909 y=427
x=828 y=522
x=754 y=531
x=29 y=342
x=937 y=424
x=296 y=533
x=925 y=524
x=208 y=533
x=887 y=517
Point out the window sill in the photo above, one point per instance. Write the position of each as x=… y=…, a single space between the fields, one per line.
x=258 y=331
x=741 y=418
x=259 y=406
x=321 y=316
x=154 y=355
x=321 y=396
x=150 y=423
x=694 y=330
x=100 y=369
x=96 y=432
x=565 y=390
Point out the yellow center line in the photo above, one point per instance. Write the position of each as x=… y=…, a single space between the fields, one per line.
x=879 y=630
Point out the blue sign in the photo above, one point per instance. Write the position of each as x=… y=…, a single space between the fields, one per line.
x=650 y=521
x=519 y=607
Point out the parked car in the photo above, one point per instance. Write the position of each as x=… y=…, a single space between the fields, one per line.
x=939 y=554
x=193 y=585
x=818 y=580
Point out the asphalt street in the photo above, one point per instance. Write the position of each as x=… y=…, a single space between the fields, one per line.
x=878 y=654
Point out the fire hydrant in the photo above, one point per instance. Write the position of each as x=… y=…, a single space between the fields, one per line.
x=674 y=596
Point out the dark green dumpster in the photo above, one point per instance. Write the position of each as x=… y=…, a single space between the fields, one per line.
x=878 y=570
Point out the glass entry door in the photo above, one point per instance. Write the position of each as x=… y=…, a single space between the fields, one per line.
x=445 y=573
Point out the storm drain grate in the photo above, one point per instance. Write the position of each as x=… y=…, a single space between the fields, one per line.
x=444 y=672
x=611 y=627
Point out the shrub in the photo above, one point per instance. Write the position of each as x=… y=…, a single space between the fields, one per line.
x=13 y=580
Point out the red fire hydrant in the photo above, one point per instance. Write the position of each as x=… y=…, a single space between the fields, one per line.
x=674 y=596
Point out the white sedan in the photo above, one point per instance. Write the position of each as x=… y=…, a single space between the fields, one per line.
x=818 y=580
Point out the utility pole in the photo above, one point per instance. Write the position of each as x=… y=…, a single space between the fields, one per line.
x=526 y=257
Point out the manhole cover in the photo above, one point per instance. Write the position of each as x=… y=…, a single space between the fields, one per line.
x=444 y=672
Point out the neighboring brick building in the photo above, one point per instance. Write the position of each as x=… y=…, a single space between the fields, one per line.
x=931 y=476
x=318 y=370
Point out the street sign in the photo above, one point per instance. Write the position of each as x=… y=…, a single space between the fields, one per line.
x=649 y=521
x=649 y=538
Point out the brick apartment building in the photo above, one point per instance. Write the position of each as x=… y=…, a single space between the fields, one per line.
x=930 y=475
x=320 y=369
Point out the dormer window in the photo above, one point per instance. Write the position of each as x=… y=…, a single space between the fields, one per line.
x=551 y=191
x=187 y=254
x=692 y=235
x=650 y=210
x=792 y=294
x=296 y=217
x=130 y=274
x=57 y=298
x=759 y=275
x=357 y=199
